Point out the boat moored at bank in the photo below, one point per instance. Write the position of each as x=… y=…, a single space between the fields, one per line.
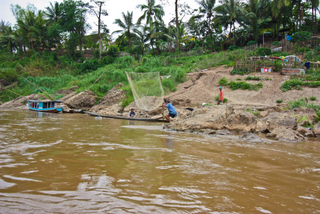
x=53 y=106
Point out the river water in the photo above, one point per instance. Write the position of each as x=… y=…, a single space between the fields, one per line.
x=76 y=163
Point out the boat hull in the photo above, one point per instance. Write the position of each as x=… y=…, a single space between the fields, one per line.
x=51 y=110
x=127 y=118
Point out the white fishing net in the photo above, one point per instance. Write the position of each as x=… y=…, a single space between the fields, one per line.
x=146 y=89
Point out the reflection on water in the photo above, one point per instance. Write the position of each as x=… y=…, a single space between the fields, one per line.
x=74 y=163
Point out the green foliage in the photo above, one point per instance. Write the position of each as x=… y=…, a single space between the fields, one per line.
x=301 y=36
x=168 y=85
x=251 y=42
x=113 y=51
x=96 y=54
x=279 y=101
x=303 y=103
x=312 y=55
x=263 y=51
x=124 y=62
x=223 y=81
x=297 y=83
x=230 y=64
x=216 y=98
x=89 y=65
x=252 y=78
x=253 y=111
x=244 y=85
x=276 y=43
x=313 y=98
x=232 y=47
x=9 y=74
x=241 y=71
x=128 y=98
x=107 y=60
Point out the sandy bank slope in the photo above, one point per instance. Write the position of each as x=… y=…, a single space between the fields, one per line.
x=202 y=87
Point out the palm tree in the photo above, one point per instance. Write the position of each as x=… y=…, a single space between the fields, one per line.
x=277 y=8
x=142 y=37
x=258 y=13
x=157 y=30
x=314 y=6
x=151 y=12
x=206 y=8
x=39 y=31
x=3 y=26
x=26 y=21
x=176 y=34
x=127 y=26
x=228 y=13
x=7 y=39
x=53 y=13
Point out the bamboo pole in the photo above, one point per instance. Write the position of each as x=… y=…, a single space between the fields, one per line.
x=38 y=88
x=13 y=92
x=97 y=79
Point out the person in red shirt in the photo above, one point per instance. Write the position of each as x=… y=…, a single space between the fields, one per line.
x=220 y=96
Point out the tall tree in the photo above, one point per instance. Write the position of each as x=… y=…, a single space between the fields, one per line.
x=258 y=14
x=7 y=38
x=54 y=14
x=142 y=36
x=277 y=8
x=126 y=25
x=228 y=13
x=73 y=22
x=98 y=11
x=206 y=9
x=151 y=12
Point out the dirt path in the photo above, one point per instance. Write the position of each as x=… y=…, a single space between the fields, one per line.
x=203 y=86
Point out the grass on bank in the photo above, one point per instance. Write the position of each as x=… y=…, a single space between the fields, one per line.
x=52 y=73
x=304 y=103
x=240 y=85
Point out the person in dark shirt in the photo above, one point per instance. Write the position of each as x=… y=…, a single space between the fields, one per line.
x=132 y=113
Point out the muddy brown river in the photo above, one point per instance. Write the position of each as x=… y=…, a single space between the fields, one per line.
x=76 y=163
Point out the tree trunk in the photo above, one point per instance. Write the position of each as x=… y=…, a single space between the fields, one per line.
x=315 y=17
x=99 y=26
x=177 y=22
x=129 y=38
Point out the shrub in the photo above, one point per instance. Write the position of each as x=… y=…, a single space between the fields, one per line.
x=230 y=64
x=263 y=51
x=313 y=98
x=240 y=71
x=276 y=43
x=107 y=60
x=9 y=74
x=251 y=42
x=216 y=98
x=89 y=65
x=232 y=47
x=113 y=51
x=244 y=85
x=301 y=36
x=252 y=78
x=279 y=101
x=253 y=111
x=223 y=81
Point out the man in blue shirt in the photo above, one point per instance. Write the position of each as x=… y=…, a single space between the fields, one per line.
x=171 y=109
